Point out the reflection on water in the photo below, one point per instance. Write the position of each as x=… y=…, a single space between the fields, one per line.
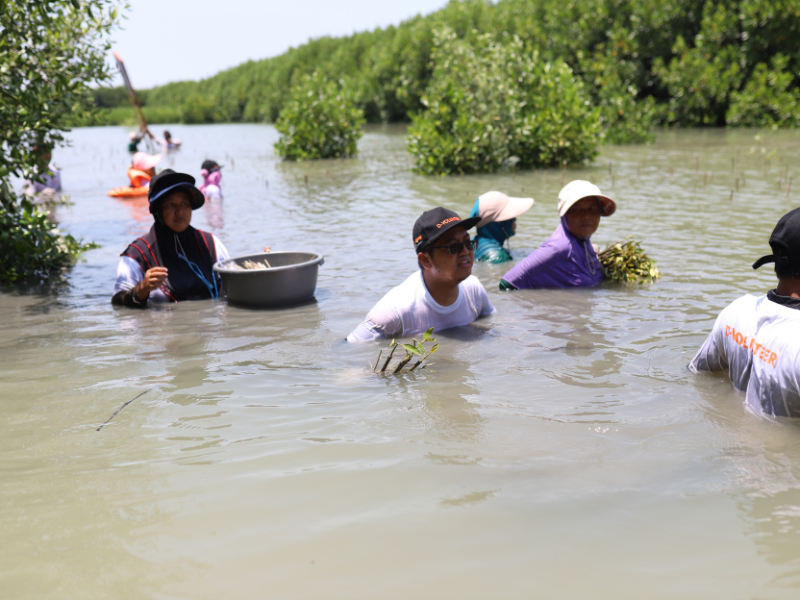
x=560 y=445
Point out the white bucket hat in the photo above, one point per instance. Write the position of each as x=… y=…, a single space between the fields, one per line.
x=496 y=206
x=577 y=190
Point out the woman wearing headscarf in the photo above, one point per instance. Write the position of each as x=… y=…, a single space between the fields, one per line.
x=211 y=174
x=567 y=258
x=173 y=261
x=498 y=214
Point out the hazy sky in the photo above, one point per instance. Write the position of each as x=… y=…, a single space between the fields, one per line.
x=173 y=40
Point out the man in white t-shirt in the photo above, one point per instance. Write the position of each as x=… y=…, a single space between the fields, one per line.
x=442 y=294
x=756 y=339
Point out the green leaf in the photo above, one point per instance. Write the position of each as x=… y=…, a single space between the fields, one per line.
x=411 y=349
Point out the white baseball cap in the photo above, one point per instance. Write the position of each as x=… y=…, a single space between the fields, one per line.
x=577 y=190
x=496 y=206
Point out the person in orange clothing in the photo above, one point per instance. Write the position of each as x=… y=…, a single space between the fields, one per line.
x=143 y=169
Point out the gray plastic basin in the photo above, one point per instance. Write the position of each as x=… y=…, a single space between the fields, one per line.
x=292 y=278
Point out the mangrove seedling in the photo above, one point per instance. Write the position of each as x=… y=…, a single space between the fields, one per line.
x=625 y=261
x=415 y=349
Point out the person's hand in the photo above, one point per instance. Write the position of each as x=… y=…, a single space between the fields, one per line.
x=267 y=249
x=152 y=280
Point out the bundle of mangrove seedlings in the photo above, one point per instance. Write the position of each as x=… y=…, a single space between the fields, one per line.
x=415 y=349
x=249 y=265
x=626 y=261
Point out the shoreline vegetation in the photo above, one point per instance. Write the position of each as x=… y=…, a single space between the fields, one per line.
x=41 y=92
x=635 y=64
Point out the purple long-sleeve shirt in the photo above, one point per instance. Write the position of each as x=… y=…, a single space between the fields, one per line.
x=564 y=260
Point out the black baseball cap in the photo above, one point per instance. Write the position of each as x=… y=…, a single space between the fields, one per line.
x=211 y=166
x=168 y=182
x=784 y=241
x=433 y=223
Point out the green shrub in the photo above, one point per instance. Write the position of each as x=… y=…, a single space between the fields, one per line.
x=198 y=108
x=490 y=104
x=318 y=121
x=159 y=115
x=626 y=118
x=30 y=245
x=701 y=77
x=767 y=99
x=108 y=97
x=50 y=52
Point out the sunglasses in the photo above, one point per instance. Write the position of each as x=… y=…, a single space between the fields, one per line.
x=455 y=247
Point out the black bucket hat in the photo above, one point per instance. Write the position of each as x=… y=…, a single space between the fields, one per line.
x=211 y=166
x=433 y=223
x=784 y=241
x=168 y=182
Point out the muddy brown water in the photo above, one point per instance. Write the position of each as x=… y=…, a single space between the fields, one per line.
x=559 y=450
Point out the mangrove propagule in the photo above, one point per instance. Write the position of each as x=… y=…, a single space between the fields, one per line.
x=625 y=261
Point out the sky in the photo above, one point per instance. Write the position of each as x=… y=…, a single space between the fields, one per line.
x=174 y=40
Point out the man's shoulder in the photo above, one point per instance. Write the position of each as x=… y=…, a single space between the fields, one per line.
x=410 y=284
x=403 y=293
x=744 y=304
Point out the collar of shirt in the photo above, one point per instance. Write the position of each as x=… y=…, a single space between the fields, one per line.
x=786 y=301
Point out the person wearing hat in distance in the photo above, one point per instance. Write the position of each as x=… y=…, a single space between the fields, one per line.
x=756 y=339
x=173 y=261
x=135 y=137
x=143 y=168
x=211 y=174
x=567 y=258
x=442 y=294
x=498 y=221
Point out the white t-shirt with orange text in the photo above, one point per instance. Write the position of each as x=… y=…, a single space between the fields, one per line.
x=757 y=342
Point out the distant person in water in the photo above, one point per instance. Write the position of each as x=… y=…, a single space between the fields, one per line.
x=442 y=294
x=170 y=143
x=756 y=339
x=567 y=258
x=49 y=182
x=498 y=222
x=173 y=261
x=143 y=169
x=212 y=175
x=135 y=137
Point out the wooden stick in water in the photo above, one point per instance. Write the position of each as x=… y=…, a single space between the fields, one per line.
x=123 y=406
